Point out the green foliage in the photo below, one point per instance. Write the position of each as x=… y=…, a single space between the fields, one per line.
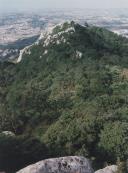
x=17 y=152
x=114 y=140
x=74 y=105
x=122 y=167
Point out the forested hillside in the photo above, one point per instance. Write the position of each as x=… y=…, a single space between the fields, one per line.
x=68 y=96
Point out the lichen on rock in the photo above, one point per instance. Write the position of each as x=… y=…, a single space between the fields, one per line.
x=70 y=164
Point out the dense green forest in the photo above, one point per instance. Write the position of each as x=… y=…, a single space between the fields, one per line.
x=68 y=97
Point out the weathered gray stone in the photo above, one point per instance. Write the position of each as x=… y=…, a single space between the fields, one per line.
x=108 y=169
x=8 y=133
x=70 y=164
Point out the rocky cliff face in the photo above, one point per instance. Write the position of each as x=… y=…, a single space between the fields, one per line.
x=71 y=164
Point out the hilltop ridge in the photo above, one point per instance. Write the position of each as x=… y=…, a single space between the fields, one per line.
x=67 y=96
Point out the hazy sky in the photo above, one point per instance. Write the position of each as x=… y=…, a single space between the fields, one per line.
x=9 y=5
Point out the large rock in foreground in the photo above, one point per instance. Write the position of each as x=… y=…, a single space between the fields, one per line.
x=71 y=164
x=108 y=169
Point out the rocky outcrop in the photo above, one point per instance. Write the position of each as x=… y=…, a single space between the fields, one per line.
x=108 y=169
x=8 y=133
x=71 y=164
